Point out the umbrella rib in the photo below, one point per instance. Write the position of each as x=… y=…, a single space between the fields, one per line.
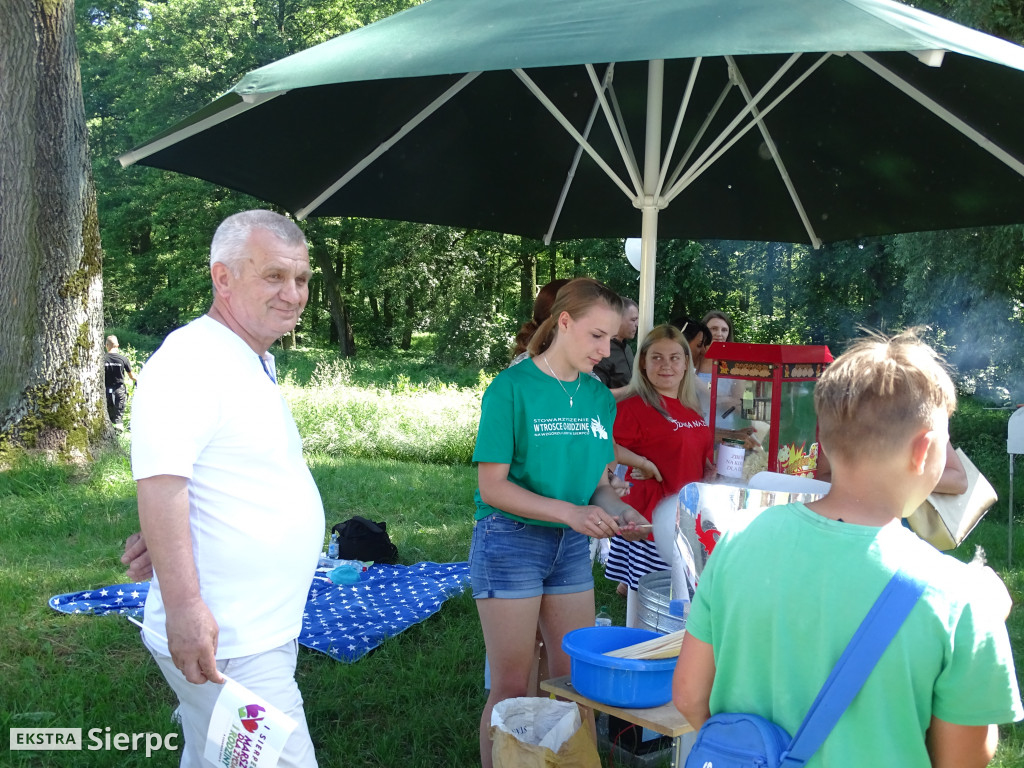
x=710 y=155
x=681 y=165
x=704 y=162
x=248 y=101
x=683 y=105
x=774 y=151
x=557 y=114
x=384 y=146
x=620 y=120
x=615 y=126
x=609 y=73
x=941 y=112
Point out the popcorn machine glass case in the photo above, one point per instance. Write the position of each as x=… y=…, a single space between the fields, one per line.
x=769 y=389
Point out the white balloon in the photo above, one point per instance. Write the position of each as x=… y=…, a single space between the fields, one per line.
x=633 y=252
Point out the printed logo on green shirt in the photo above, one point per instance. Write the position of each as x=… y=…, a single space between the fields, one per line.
x=569 y=426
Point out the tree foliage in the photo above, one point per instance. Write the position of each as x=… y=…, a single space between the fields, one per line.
x=148 y=63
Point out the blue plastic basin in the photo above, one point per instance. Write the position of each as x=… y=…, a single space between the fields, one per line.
x=630 y=683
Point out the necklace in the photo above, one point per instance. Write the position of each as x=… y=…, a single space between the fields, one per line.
x=579 y=380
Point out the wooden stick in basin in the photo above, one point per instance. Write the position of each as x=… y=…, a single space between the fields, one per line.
x=664 y=647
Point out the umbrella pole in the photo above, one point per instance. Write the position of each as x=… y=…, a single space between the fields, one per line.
x=1009 y=521
x=649 y=204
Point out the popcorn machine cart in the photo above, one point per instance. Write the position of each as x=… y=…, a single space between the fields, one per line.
x=766 y=390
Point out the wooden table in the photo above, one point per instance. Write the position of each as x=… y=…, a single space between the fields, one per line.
x=665 y=719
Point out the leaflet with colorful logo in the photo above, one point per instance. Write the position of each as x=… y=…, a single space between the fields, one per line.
x=245 y=730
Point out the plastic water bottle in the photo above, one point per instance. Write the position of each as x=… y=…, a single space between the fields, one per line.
x=332 y=548
x=604 y=619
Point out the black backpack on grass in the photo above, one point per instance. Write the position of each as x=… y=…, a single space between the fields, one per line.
x=362 y=539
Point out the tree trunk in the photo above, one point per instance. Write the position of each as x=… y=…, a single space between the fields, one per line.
x=336 y=301
x=314 y=304
x=787 y=284
x=51 y=294
x=410 y=316
x=387 y=316
x=527 y=282
x=766 y=289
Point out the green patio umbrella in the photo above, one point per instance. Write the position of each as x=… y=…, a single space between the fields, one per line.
x=781 y=120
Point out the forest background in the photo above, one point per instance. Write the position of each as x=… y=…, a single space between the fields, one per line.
x=147 y=63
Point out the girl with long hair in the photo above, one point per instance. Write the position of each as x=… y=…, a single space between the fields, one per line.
x=662 y=436
x=544 y=441
x=730 y=392
x=541 y=312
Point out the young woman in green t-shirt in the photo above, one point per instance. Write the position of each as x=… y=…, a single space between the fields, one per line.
x=544 y=442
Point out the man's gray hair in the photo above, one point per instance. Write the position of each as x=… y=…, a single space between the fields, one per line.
x=228 y=246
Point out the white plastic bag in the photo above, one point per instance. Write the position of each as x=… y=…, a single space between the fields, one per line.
x=540 y=733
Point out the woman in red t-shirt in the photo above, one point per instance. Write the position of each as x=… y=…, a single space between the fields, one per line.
x=662 y=436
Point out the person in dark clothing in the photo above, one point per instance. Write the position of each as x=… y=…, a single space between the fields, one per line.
x=617 y=369
x=115 y=367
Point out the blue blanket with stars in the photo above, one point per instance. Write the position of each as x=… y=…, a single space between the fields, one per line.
x=345 y=622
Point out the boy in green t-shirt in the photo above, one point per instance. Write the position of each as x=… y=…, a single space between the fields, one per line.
x=784 y=591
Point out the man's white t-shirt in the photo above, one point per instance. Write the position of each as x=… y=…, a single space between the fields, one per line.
x=255 y=514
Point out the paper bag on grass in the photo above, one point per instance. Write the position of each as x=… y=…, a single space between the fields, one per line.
x=540 y=733
x=245 y=729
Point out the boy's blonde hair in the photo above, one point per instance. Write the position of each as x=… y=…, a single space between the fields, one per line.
x=879 y=393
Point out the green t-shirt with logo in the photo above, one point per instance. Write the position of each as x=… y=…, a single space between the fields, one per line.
x=551 y=448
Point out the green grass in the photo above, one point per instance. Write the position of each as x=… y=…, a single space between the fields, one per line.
x=415 y=701
x=435 y=424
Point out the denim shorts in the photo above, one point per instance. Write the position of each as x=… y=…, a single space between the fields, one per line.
x=510 y=559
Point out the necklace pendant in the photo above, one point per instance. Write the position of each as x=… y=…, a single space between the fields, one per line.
x=570 y=402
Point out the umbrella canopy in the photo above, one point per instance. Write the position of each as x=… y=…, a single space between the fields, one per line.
x=784 y=120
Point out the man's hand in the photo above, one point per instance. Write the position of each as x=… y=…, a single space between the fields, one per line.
x=136 y=557
x=192 y=641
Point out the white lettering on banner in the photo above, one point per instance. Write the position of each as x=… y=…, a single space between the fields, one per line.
x=98 y=738
x=46 y=738
x=103 y=738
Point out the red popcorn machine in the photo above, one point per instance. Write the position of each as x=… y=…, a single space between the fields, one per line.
x=766 y=392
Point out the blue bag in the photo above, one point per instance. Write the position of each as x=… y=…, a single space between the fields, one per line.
x=734 y=740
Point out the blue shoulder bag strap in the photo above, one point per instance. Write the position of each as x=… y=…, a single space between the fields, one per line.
x=855 y=666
